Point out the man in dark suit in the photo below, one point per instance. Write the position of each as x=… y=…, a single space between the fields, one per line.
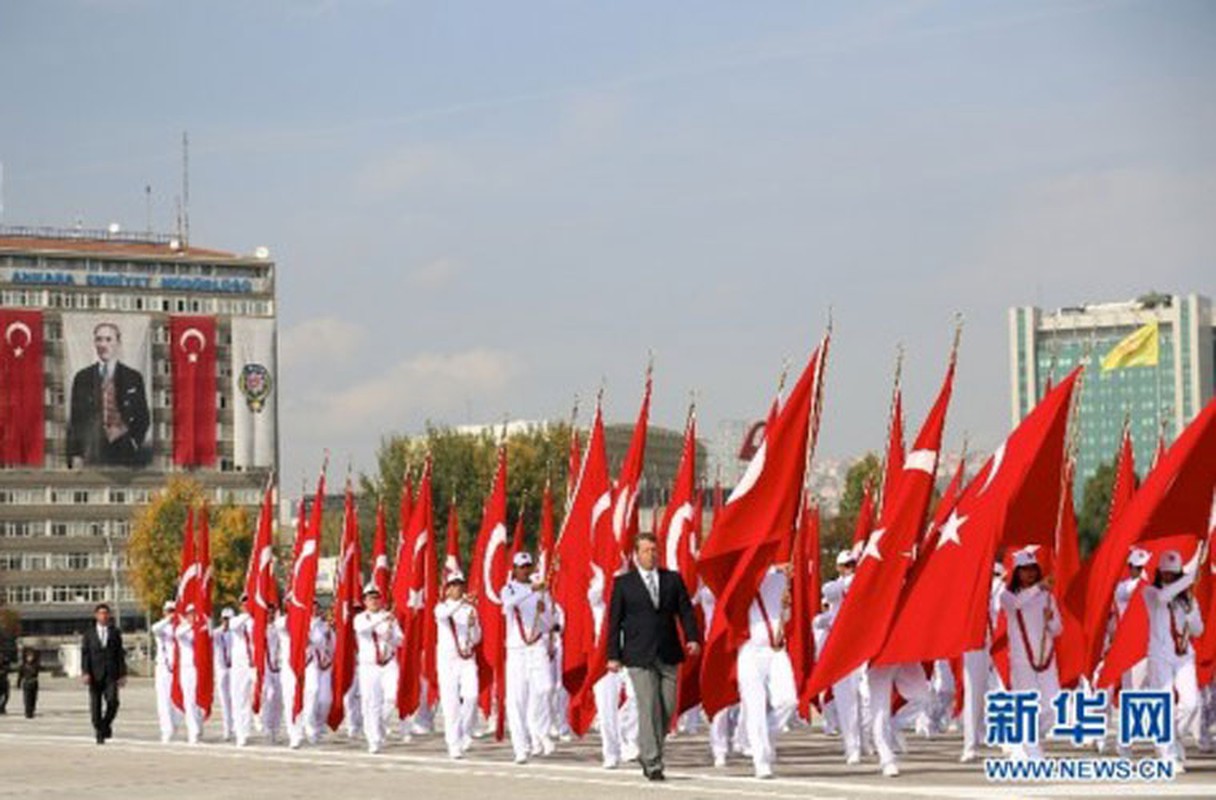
x=109 y=416
x=642 y=636
x=103 y=668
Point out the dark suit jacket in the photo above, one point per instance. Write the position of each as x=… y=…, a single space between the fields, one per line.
x=85 y=435
x=640 y=634
x=102 y=664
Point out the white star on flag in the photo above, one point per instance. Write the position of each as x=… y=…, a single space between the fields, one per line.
x=871 y=548
x=951 y=529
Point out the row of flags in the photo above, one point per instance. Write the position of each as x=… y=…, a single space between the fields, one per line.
x=924 y=567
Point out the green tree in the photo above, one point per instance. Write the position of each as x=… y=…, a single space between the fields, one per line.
x=1095 y=506
x=838 y=532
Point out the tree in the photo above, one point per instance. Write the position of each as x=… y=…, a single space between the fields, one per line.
x=1095 y=506
x=154 y=546
x=838 y=533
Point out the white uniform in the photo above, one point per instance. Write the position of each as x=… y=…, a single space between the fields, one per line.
x=910 y=681
x=1134 y=678
x=188 y=677
x=242 y=676
x=765 y=673
x=618 y=722
x=846 y=692
x=1172 y=621
x=529 y=671
x=977 y=678
x=277 y=657
x=221 y=647
x=456 y=662
x=288 y=679
x=167 y=715
x=1036 y=668
x=318 y=686
x=559 y=704
x=377 y=636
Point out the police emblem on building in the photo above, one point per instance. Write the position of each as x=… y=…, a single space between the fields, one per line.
x=255 y=384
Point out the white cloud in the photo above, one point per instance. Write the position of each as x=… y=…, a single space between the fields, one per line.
x=434 y=274
x=402 y=169
x=321 y=341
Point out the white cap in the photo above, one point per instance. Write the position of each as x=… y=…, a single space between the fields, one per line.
x=1138 y=557
x=455 y=576
x=522 y=559
x=169 y=605
x=1025 y=558
x=371 y=588
x=845 y=557
x=227 y=613
x=1171 y=561
x=190 y=609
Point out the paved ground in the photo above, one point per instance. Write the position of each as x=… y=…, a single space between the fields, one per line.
x=54 y=756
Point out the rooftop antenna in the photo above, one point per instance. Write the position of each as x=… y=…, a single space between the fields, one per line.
x=1 y=191
x=185 y=190
x=148 y=206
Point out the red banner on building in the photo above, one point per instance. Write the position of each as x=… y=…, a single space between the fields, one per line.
x=192 y=356
x=22 y=439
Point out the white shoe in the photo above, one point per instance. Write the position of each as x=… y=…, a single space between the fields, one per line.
x=967 y=757
x=295 y=744
x=853 y=760
x=764 y=773
x=547 y=747
x=611 y=763
x=629 y=752
x=719 y=761
x=521 y=759
x=456 y=755
x=891 y=770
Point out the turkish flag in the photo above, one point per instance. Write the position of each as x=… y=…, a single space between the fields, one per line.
x=303 y=593
x=380 y=572
x=544 y=557
x=1205 y=596
x=757 y=519
x=1066 y=563
x=865 y=518
x=348 y=597
x=1125 y=484
x=805 y=600
x=1175 y=499
x=592 y=497
x=677 y=535
x=192 y=346
x=187 y=594
x=22 y=429
x=943 y=610
x=261 y=590
x=625 y=499
x=451 y=557
x=489 y=567
x=400 y=590
x=415 y=656
x=204 y=656
x=894 y=467
x=870 y=605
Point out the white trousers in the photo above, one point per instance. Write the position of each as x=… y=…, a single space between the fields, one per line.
x=378 y=698
x=323 y=699
x=223 y=696
x=1022 y=678
x=240 y=684
x=912 y=684
x=719 y=732
x=190 y=710
x=352 y=707
x=529 y=687
x=768 y=697
x=1177 y=675
x=272 y=704
x=295 y=723
x=976 y=665
x=167 y=716
x=618 y=722
x=846 y=694
x=458 y=687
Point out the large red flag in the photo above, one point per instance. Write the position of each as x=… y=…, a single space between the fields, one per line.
x=1066 y=563
x=804 y=601
x=261 y=591
x=625 y=499
x=1205 y=596
x=187 y=595
x=303 y=593
x=1125 y=484
x=451 y=557
x=192 y=346
x=347 y=597
x=489 y=567
x=399 y=599
x=1175 y=499
x=592 y=497
x=894 y=464
x=756 y=520
x=868 y=608
x=204 y=656
x=943 y=610
x=22 y=429
x=413 y=656
x=380 y=571
x=544 y=556
x=677 y=534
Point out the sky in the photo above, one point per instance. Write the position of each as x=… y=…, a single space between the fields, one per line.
x=481 y=209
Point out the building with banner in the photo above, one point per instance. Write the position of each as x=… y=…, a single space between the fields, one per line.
x=1157 y=393
x=125 y=359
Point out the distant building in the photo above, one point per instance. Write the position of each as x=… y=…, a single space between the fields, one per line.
x=1157 y=400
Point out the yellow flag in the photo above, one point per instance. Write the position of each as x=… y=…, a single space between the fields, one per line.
x=1140 y=348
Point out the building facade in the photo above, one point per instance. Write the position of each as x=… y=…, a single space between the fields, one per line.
x=1157 y=401
x=157 y=359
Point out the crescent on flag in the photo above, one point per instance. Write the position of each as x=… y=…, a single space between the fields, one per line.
x=498 y=538
x=997 y=458
x=621 y=511
x=187 y=335
x=600 y=507
x=750 y=476
x=18 y=325
x=675 y=532
x=309 y=547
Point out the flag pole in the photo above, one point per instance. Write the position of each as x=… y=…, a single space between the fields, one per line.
x=896 y=385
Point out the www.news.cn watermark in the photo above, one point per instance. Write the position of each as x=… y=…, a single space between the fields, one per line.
x=1013 y=722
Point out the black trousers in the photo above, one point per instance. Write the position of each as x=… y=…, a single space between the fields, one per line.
x=4 y=685
x=29 y=693
x=98 y=691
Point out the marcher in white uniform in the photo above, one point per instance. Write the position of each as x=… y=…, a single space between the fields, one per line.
x=529 y=671
x=559 y=703
x=242 y=676
x=167 y=715
x=377 y=635
x=618 y=723
x=910 y=681
x=221 y=646
x=1137 y=560
x=188 y=675
x=288 y=679
x=1173 y=619
x=272 y=685
x=765 y=673
x=720 y=727
x=318 y=686
x=977 y=672
x=459 y=633
x=846 y=692
x=1033 y=622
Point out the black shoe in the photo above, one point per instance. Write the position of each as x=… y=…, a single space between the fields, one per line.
x=101 y=739
x=657 y=775
x=108 y=732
